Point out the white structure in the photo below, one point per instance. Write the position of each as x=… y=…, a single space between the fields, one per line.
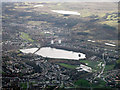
x=66 y=12
x=39 y=5
x=52 y=42
x=110 y=44
x=59 y=41
x=84 y=68
x=55 y=41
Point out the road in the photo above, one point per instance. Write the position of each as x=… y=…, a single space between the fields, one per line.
x=103 y=66
x=99 y=75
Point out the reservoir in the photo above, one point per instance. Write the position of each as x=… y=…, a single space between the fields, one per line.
x=55 y=53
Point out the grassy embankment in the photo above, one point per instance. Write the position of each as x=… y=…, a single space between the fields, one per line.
x=67 y=66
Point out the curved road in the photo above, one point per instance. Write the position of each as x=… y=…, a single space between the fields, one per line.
x=103 y=66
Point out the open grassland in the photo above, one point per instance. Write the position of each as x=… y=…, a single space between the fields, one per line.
x=37 y=22
x=25 y=36
x=110 y=23
x=111 y=20
x=112 y=17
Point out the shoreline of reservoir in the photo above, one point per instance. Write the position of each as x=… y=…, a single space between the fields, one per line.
x=50 y=52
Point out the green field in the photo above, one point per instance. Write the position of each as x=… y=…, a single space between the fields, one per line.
x=118 y=61
x=100 y=84
x=23 y=85
x=82 y=83
x=25 y=36
x=92 y=64
x=109 y=67
x=67 y=66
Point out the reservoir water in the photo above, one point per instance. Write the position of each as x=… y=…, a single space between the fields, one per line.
x=55 y=53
